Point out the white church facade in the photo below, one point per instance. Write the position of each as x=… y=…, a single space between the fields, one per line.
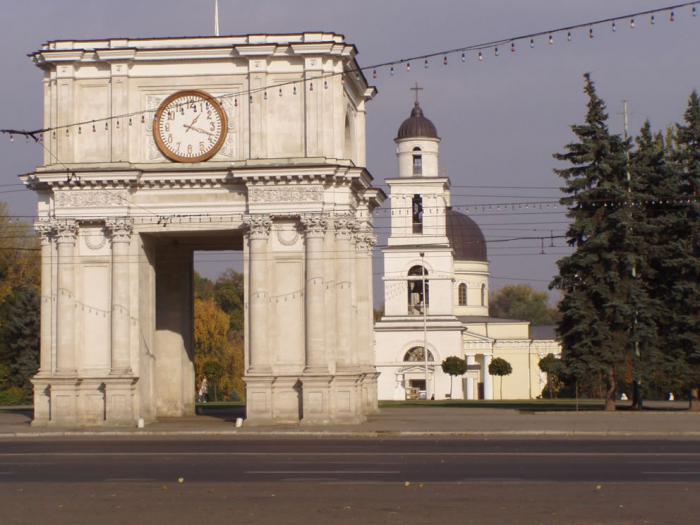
x=436 y=286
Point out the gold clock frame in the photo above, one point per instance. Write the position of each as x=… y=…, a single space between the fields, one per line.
x=217 y=107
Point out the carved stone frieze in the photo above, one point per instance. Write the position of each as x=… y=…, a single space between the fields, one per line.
x=314 y=224
x=285 y=194
x=258 y=225
x=90 y=198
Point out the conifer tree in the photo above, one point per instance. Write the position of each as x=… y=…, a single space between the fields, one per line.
x=600 y=294
x=20 y=334
x=687 y=286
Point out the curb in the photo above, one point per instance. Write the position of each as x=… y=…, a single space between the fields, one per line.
x=352 y=434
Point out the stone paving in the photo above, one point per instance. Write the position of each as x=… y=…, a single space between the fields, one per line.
x=403 y=421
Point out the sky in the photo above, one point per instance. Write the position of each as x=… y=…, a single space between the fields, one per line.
x=500 y=120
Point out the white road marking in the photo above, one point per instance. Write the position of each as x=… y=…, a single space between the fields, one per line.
x=446 y=454
x=322 y=472
x=674 y=473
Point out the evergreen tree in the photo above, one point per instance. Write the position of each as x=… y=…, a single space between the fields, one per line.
x=686 y=319
x=660 y=221
x=20 y=334
x=601 y=297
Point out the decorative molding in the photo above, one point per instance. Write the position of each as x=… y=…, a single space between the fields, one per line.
x=315 y=225
x=258 y=225
x=121 y=228
x=285 y=194
x=90 y=198
x=95 y=242
x=288 y=237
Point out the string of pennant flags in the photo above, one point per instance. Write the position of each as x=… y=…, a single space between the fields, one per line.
x=444 y=57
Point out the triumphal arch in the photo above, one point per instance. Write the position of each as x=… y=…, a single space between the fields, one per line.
x=159 y=147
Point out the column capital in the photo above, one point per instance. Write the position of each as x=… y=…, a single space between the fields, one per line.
x=46 y=229
x=345 y=226
x=314 y=224
x=258 y=226
x=66 y=230
x=121 y=228
x=365 y=240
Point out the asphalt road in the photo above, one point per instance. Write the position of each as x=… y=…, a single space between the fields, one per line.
x=141 y=480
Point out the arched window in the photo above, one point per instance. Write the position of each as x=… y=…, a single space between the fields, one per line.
x=417 y=161
x=349 y=142
x=417 y=213
x=483 y=295
x=462 y=294
x=415 y=290
x=416 y=354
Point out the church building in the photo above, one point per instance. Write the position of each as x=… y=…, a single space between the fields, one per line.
x=436 y=289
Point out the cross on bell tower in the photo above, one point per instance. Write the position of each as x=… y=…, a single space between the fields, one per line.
x=417 y=89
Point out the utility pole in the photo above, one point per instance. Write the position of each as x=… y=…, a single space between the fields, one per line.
x=637 y=383
x=425 y=322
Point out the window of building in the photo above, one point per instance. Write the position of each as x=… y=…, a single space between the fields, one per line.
x=417 y=161
x=483 y=295
x=462 y=294
x=417 y=213
x=416 y=354
x=416 y=301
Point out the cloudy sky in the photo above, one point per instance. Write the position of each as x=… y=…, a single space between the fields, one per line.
x=500 y=120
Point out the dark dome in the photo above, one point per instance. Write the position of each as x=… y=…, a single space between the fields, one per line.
x=417 y=126
x=465 y=237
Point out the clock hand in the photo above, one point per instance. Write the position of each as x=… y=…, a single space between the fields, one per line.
x=199 y=130
x=192 y=123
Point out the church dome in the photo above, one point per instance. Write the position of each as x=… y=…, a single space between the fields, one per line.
x=417 y=126
x=465 y=237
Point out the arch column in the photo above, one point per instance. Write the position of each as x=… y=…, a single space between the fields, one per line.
x=488 y=383
x=46 y=232
x=66 y=234
x=259 y=227
x=314 y=230
x=121 y=230
x=469 y=394
x=347 y=356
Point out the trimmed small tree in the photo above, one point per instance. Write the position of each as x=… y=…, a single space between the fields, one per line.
x=551 y=366
x=500 y=367
x=455 y=366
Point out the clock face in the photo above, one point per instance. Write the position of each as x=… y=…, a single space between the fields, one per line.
x=190 y=126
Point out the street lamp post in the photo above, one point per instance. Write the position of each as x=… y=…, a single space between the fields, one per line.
x=425 y=322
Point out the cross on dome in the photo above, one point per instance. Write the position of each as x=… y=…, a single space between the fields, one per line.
x=416 y=88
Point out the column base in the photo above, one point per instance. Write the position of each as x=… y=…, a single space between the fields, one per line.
x=81 y=402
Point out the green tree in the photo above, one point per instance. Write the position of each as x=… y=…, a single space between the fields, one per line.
x=553 y=367
x=228 y=292
x=600 y=295
x=521 y=301
x=455 y=366
x=685 y=318
x=500 y=367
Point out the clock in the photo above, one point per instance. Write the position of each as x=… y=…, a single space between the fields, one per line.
x=190 y=126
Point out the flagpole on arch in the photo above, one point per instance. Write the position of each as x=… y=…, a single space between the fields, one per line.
x=216 y=17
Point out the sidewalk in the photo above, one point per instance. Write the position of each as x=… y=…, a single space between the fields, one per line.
x=400 y=421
